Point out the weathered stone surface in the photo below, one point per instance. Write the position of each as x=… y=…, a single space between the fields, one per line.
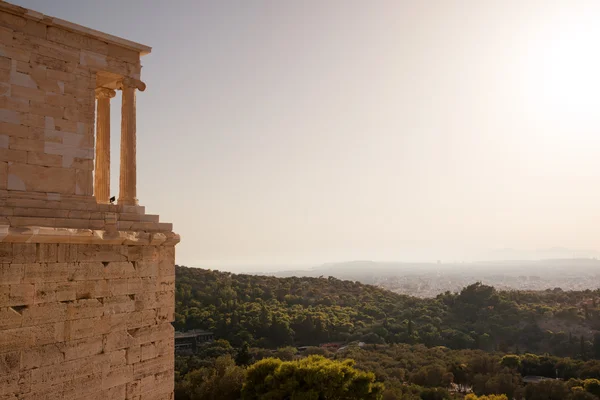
x=86 y=287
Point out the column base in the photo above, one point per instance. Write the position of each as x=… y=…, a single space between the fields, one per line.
x=128 y=202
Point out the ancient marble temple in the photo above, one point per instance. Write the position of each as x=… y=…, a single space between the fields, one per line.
x=86 y=284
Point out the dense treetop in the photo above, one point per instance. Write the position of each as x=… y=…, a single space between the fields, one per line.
x=272 y=312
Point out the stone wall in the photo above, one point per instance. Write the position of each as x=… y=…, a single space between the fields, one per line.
x=47 y=79
x=86 y=321
x=86 y=287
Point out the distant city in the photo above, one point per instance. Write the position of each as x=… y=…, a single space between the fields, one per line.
x=431 y=279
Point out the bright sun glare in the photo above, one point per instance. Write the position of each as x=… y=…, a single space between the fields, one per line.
x=565 y=71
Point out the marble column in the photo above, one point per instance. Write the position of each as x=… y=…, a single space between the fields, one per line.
x=102 y=168
x=128 y=176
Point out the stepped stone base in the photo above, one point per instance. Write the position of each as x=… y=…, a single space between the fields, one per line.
x=85 y=321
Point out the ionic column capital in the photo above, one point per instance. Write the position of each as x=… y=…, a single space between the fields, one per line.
x=129 y=82
x=105 y=93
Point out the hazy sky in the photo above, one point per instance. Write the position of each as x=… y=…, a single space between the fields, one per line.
x=311 y=131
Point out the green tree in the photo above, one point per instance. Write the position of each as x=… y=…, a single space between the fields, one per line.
x=511 y=361
x=222 y=381
x=312 y=378
x=592 y=386
x=243 y=356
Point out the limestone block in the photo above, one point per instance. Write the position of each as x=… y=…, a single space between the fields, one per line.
x=29 y=145
x=165 y=299
x=21 y=294
x=134 y=285
x=166 y=268
x=82 y=348
x=150 y=253
x=12 y=156
x=101 y=288
x=84 y=308
x=58 y=51
x=9 y=385
x=60 y=75
x=10 y=362
x=140 y=319
x=15 y=53
x=50 y=86
x=102 y=253
x=165 y=284
x=66 y=291
x=117 y=358
x=115 y=393
x=152 y=367
x=123 y=54
x=118 y=287
x=68 y=253
x=118 y=376
x=133 y=389
x=51 y=272
x=39 y=212
x=9 y=318
x=85 y=328
x=41 y=356
x=35 y=121
x=117 y=340
x=21 y=24
x=68 y=371
x=45 y=109
x=118 y=322
x=148 y=351
x=87 y=271
x=149 y=284
x=162 y=385
x=20 y=79
x=84 y=183
x=40 y=179
x=153 y=333
x=28 y=222
x=47 y=160
x=165 y=314
x=119 y=269
x=72 y=223
x=78 y=41
x=6 y=252
x=118 y=304
x=10 y=116
x=146 y=268
x=45 y=293
x=14 y=103
x=47 y=252
x=5 y=63
x=82 y=387
x=157 y=238
x=145 y=301
x=24 y=252
x=165 y=347
x=27 y=93
x=52 y=63
x=11 y=273
x=44 y=314
x=64 y=125
x=16 y=339
x=14 y=129
x=46 y=334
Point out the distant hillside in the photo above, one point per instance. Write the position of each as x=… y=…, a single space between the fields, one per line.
x=431 y=279
x=270 y=312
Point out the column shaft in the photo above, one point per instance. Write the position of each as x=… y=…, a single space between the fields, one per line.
x=127 y=181
x=102 y=167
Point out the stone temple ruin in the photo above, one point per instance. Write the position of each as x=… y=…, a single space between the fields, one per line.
x=86 y=286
